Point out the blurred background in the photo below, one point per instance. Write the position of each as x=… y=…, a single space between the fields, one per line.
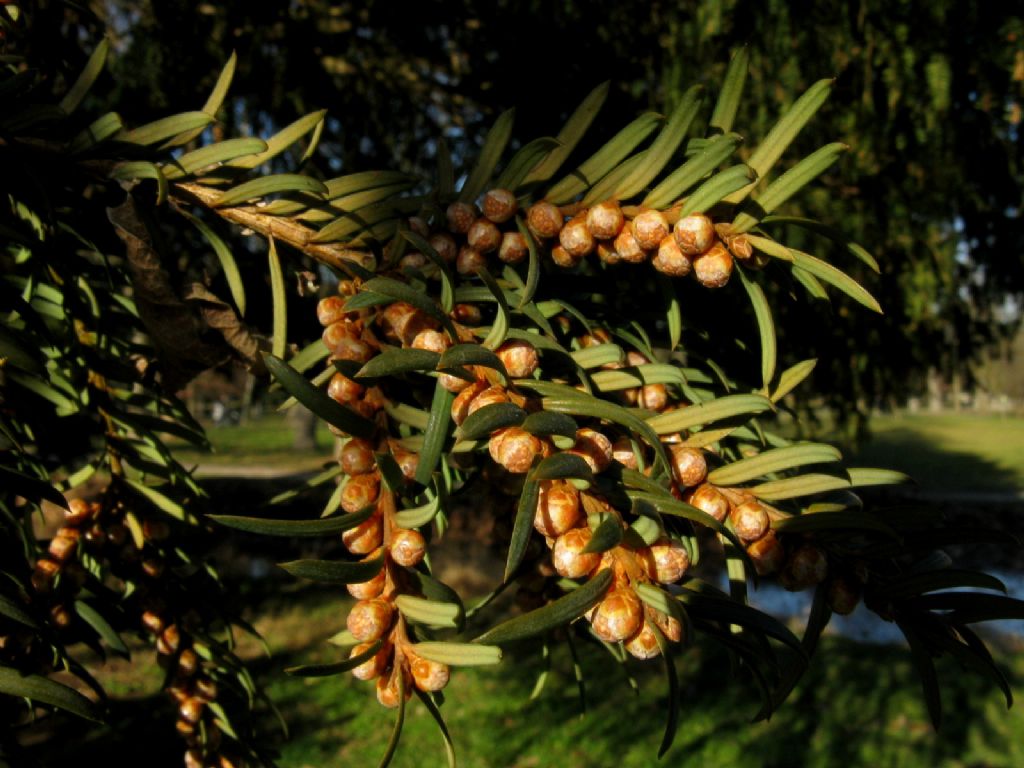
x=928 y=94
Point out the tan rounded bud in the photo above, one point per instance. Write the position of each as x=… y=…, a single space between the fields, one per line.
x=408 y=462
x=330 y=310
x=64 y=545
x=153 y=567
x=694 y=234
x=414 y=260
x=499 y=205
x=749 y=520
x=169 y=641
x=188 y=662
x=519 y=358
x=357 y=458
x=462 y=401
x=622 y=452
x=78 y=512
x=740 y=247
x=365 y=537
x=191 y=709
x=689 y=465
x=628 y=247
x=709 y=499
x=418 y=225
x=360 y=492
x=194 y=759
x=544 y=220
x=344 y=345
x=45 y=572
x=407 y=547
x=606 y=252
x=484 y=236
x=60 y=616
x=445 y=246
x=644 y=644
x=206 y=689
x=670 y=260
x=184 y=728
x=568 y=556
x=514 y=248
x=373 y=667
x=595 y=448
x=714 y=267
x=153 y=622
x=767 y=554
x=470 y=261
x=649 y=229
x=402 y=322
x=428 y=675
x=605 y=220
x=367 y=590
x=576 y=239
x=807 y=566
x=344 y=390
x=387 y=687
x=467 y=314
x=460 y=217
x=431 y=341
x=843 y=596
x=562 y=258
x=653 y=397
x=514 y=449
x=370 y=619
x=489 y=396
x=667 y=562
x=669 y=626
x=618 y=616
x=558 y=508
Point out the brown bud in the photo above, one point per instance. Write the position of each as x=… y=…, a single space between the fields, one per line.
x=843 y=596
x=169 y=640
x=714 y=267
x=606 y=252
x=467 y=314
x=644 y=644
x=60 y=616
x=402 y=322
x=445 y=246
x=407 y=547
x=356 y=457
x=418 y=225
x=460 y=217
x=670 y=259
x=462 y=401
x=408 y=462
x=387 y=687
x=330 y=310
x=594 y=447
x=622 y=452
x=367 y=590
x=470 y=261
x=694 y=234
x=375 y=665
x=155 y=530
x=184 y=728
x=653 y=397
x=365 y=537
x=649 y=229
x=519 y=358
x=558 y=508
x=370 y=619
x=667 y=561
x=514 y=449
x=605 y=220
x=64 y=545
x=431 y=341
x=618 y=616
x=152 y=621
x=807 y=566
x=343 y=344
x=191 y=710
x=188 y=662
x=206 y=689
x=749 y=520
x=413 y=261
x=484 y=236
x=45 y=572
x=669 y=626
x=194 y=759
x=153 y=567
x=709 y=499
x=489 y=396
x=562 y=258
x=360 y=492
x=428 y=675
x=513 y=248
x=78 y=512
x=544 y=220
x=689 y=465
x=767 y=554
x=568 y=556
x=499 y=205
x=628 y=247
x=576 y=239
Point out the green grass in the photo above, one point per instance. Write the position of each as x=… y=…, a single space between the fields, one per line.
x=965 y=452
x=858 y=706
x=263 y=441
